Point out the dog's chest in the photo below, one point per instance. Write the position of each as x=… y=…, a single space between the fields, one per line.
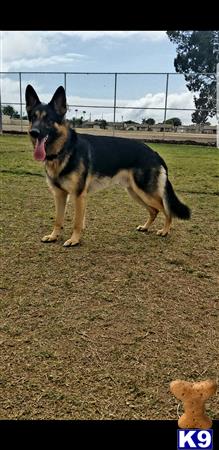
x=68 y=182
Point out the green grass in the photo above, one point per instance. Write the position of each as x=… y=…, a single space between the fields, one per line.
x=99 y=331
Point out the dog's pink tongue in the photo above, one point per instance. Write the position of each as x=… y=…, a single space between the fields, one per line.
x=39 y=151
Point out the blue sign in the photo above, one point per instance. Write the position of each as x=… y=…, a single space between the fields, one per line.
x=195 y=439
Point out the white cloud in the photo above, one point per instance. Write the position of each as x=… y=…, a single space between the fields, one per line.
x=39 y=62
x=21 y=45
x=29 y=49
x=150 y=101
x=9 y=90
x=146 y=35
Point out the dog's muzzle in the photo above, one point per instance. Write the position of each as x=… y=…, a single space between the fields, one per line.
x=34 y=132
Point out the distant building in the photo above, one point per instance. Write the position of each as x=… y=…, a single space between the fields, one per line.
x=12 y=124
x=209 y=129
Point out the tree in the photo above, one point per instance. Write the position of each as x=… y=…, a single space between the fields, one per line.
x=175 y=121
x=16 y=115
x=10 y=111
x=197 y=56
x=149 y=121
x=76 y=122
x=103 y=124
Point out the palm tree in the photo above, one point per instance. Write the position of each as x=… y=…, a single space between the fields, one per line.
x=76 y=110
x=84 y=112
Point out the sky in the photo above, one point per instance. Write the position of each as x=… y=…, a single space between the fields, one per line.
x=96 y=51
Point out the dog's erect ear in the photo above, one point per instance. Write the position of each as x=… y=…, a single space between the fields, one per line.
x=58 y=101
x=32 y=98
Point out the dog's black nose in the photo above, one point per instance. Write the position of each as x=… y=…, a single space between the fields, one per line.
x=34 y=132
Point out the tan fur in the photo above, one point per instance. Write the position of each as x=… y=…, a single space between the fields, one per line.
x=155 y=204
x=55 y=167
x=68 y=186
x=161 y=182
x=80 y=205
x=60 y=198
x=167 y=225
x=153 y=214
x=58 y=144
x=96 y=183
x=154 y=201
x=70 y=182
x=42 y=115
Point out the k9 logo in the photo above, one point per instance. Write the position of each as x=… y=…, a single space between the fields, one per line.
x=195 y=439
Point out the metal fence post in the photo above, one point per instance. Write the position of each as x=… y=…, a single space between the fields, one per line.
x=114 y=106
x=65 y=81
x=21 y=112
x=166 y=97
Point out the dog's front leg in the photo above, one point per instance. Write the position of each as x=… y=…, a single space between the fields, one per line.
x=60 y=203
x=80 y=206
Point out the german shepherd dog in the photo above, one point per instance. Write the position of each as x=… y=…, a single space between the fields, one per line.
x=79 y=163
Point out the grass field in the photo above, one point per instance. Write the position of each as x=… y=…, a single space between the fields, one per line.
x=100 y=330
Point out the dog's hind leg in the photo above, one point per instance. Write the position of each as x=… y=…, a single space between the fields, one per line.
x=152 y=211
x=168 y=221
x=60 y=197
x=84 y=221
x=166 y=229
x=153 y=214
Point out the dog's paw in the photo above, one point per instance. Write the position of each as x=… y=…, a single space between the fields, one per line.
x=49 y=238
x=71 y=242
x=141 y=228
x=162 y=232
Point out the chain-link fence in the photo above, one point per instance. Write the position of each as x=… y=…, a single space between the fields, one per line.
x=112 y=103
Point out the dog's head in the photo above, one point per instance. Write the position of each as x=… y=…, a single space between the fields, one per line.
x=46 y=120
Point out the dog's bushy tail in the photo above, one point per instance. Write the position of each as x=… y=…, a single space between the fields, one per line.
x=175 y=206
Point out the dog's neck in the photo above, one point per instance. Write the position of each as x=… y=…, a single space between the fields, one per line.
x=61 y=146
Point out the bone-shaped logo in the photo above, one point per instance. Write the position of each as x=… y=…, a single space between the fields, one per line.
x=194 y=396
